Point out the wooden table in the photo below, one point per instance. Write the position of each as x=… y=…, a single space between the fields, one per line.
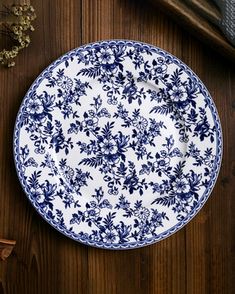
x=200 y=258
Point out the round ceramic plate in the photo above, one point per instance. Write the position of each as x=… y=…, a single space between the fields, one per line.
x=117 y=144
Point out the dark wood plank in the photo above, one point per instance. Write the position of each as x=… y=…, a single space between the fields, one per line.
x=199 y=258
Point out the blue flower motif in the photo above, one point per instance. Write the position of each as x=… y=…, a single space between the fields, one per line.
x=162 y=163
x=140 y=123
x=181 y=185
x=159 y=70
x=92 y=213
x=142 y=213
x=67 y=172
x=35 y=109
x=65 y=83
x=89 y=122
x=105 y=56
x=108 y=147
x=180 y=97
x=210 y=160
x=109 y=237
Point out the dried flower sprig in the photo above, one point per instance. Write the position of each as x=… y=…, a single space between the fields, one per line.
x=18 y=20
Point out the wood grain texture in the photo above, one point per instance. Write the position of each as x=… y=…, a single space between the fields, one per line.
x=206 y=8
x=200 y=258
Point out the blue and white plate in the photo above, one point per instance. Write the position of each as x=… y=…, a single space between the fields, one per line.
x=117 y=144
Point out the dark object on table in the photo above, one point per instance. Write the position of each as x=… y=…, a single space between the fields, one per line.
x=206 y=19
x=227 y=22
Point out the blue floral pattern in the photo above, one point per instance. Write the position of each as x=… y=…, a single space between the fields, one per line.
x=117 y=144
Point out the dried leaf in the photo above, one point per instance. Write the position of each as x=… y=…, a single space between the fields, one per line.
x=6 y=247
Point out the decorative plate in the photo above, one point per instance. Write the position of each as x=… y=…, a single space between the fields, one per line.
x=117 y=144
